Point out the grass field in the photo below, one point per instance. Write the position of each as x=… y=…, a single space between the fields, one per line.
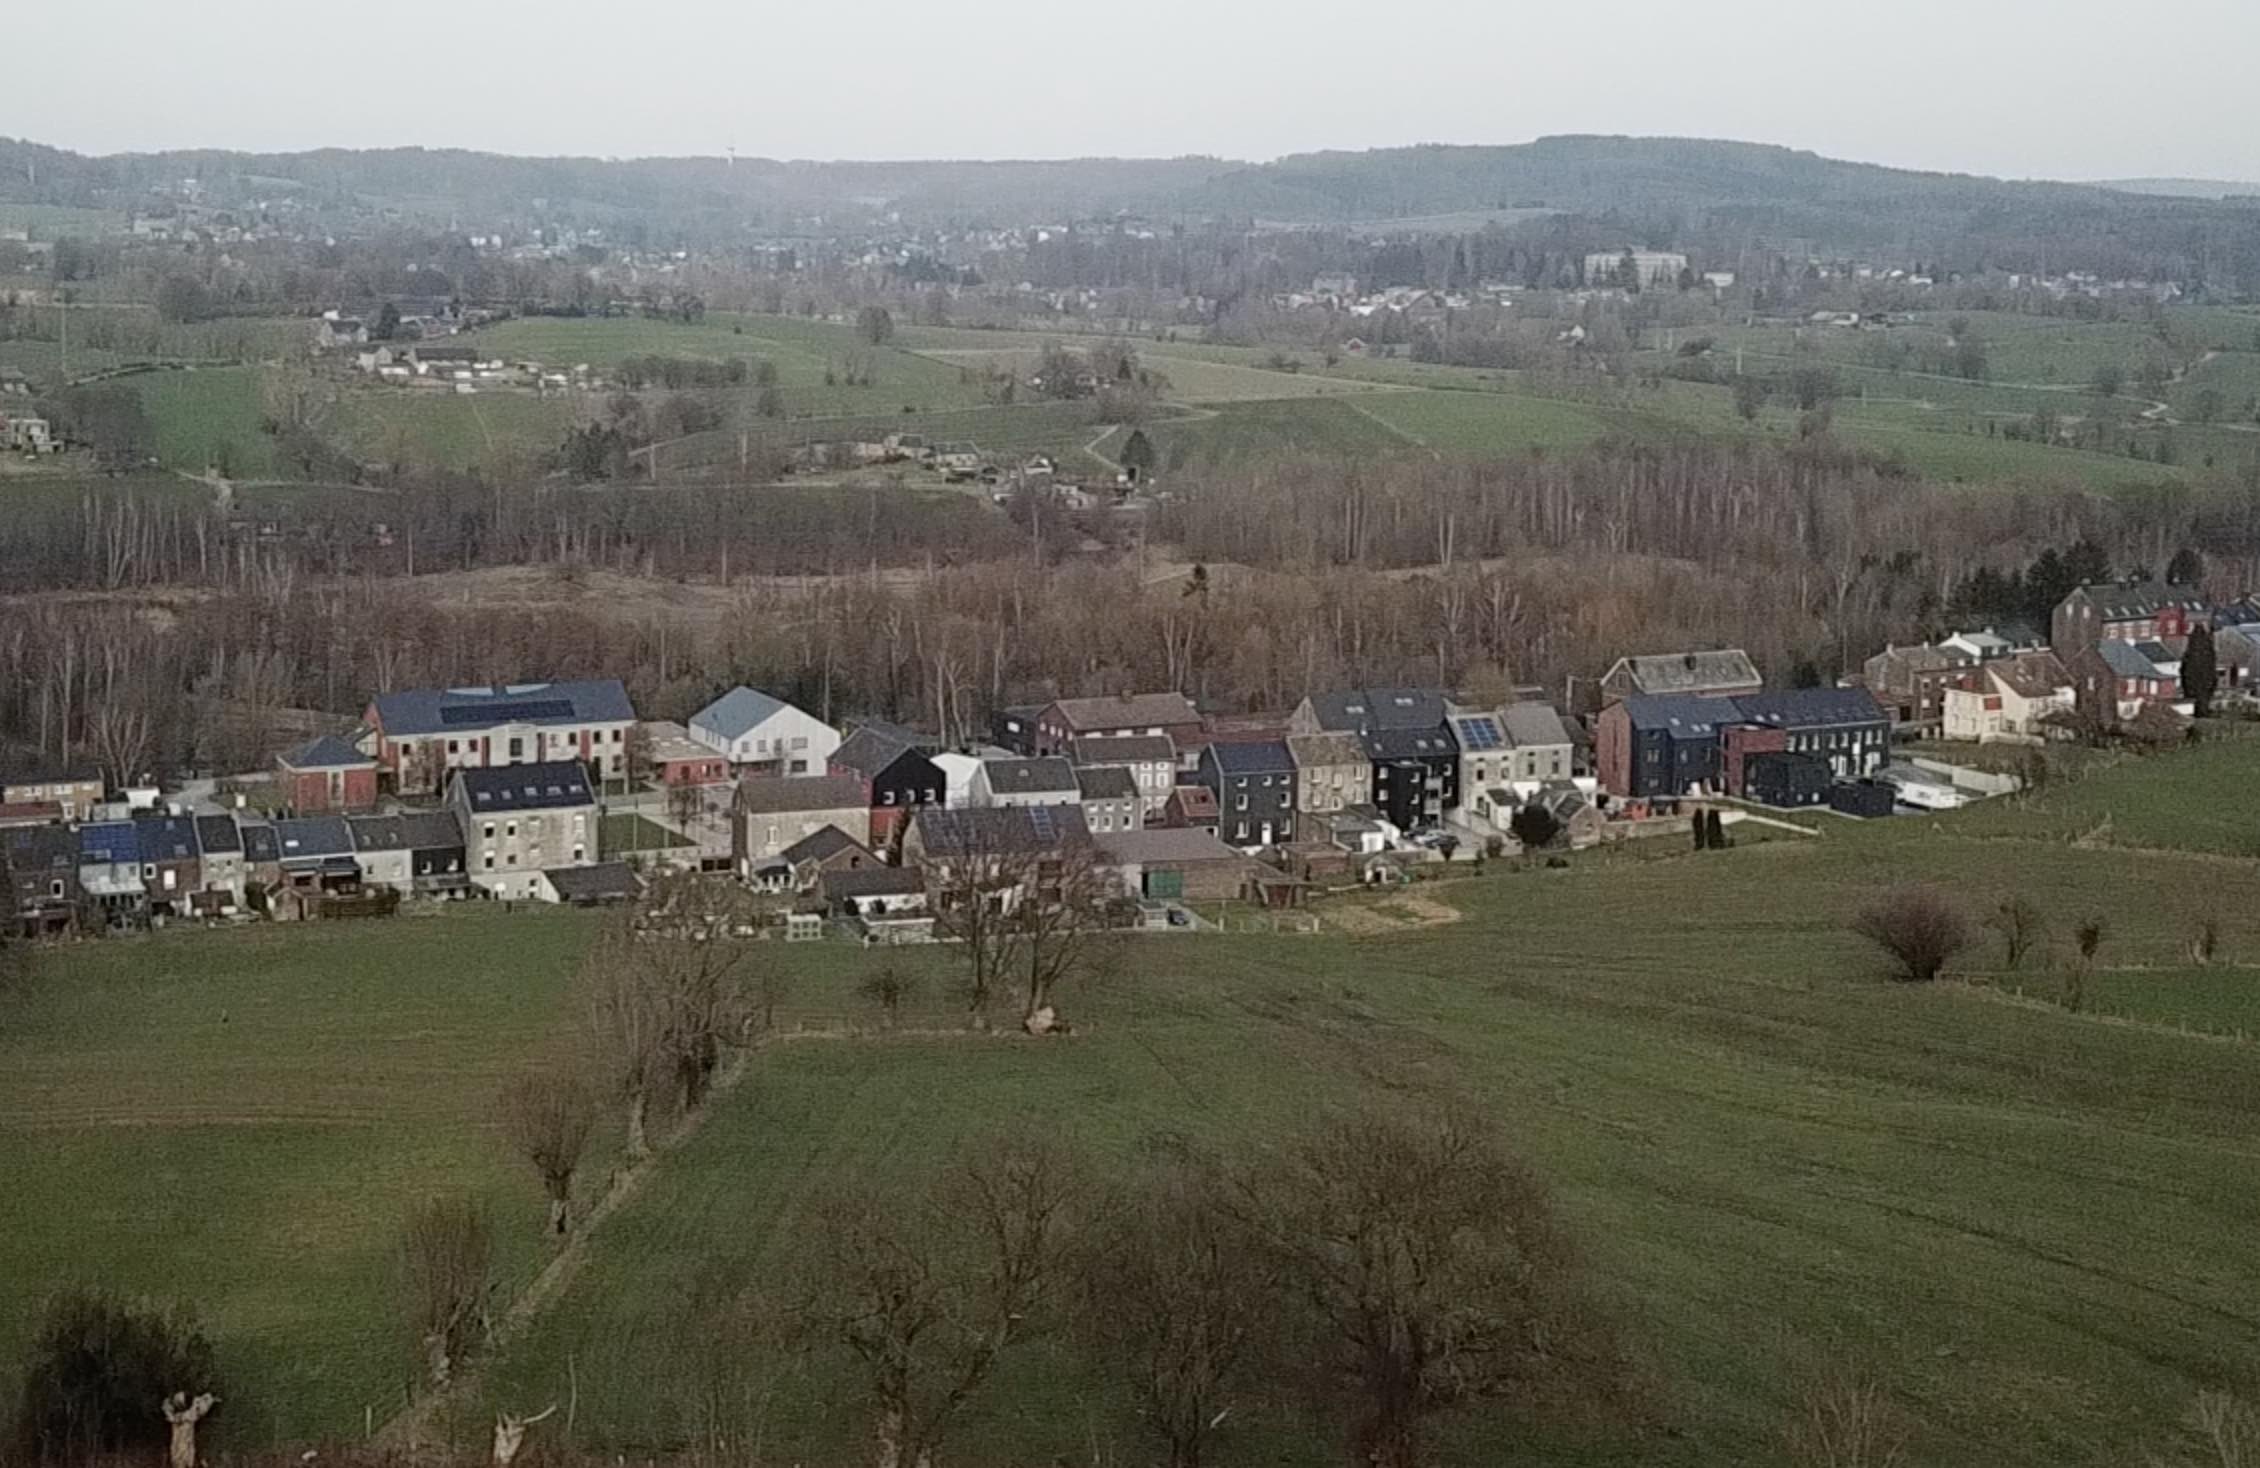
x=2033 y=1223
x=208 y=418
x=496 y=430
x=624 y=832
x=240 y=1120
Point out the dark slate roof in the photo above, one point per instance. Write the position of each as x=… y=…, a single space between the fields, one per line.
x=1000 y=828
x=431 y=830
x=40 y=848
x=2127 y=661
x=311 y=838
x=110 y=841
x=1663 y=674
x=1125 y=749
x=1810 y=708
x=167 y=838
x=326 y=753
x=1128 y=711
x=456 y=710
x=763 y=795
x=217 y=835
x=605 y=881
x=1106 y=782
x=1326 y=750
x=822 y=845
x=1262 y=757
x=2131 y=600
x=868 y=752
x=903 y=734
x=557 y=784
x=378 y=833
x=738 y=712
x=1051 y=776
x=1365 y=710
x=873 y=881
x=1534 y=725
x=1400 y=744
x=260 y=843
x=1684 y=716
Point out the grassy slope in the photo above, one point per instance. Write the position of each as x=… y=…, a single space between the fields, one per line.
x=208 y=417
x=240 y=1120
x=2031 y=1220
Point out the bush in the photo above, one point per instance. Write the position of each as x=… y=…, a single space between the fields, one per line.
x=99 y=1372
x=1918 y=926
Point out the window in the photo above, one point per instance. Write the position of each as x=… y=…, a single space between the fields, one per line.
x=580 y=854
x=489 y=862
x=454 y=746
x=517 y=748
x=511 y=830
x=55 y=888
x=1241 y=803
x=489 y=831
x=800 y=741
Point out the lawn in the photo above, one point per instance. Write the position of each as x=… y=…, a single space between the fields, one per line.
x=1191 y=379
x=1486 y=423
x=2177 y=803
x=498 y=431
x=239 y=1121
x=209 y=418
x=2032 y=1223
x=625 y=831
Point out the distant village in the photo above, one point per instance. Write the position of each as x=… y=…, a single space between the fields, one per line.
x=559 y=793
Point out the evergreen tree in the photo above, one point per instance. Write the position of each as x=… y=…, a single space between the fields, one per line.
x=2201 y=670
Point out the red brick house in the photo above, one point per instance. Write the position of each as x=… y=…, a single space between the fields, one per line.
x=325 y=776
x=678 y=759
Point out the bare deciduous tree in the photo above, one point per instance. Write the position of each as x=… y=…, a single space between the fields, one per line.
x=1919 y=927
x=446 y=1261
x=888 y=987
x=546 y=1114
x=629 y=1024
x=1431 y=1269
x=927 y=1296
x=1178 y=1301
x=2021 y=926
x=688 y=934
x=1063 y=934
x=1846 y=1422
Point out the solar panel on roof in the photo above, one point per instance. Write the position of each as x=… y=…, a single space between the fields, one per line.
x=524 y=711
x=1478 y=734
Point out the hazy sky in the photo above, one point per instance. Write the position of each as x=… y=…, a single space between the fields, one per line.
x=2055 y=88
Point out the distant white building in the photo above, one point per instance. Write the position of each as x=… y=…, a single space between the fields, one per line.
x=760 y=734
x=1654 y=267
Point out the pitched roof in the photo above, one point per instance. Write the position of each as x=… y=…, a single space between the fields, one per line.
x=822 y=845
x=1127 y=711
x=598 y=882
x=310 y=838
x=260 y=843
x=40 y=848
x=869 y=752
x=1683 y=716
x=1051 y=776
x=1716 y=671
x=1162 y=845
x=326 y=753
x=902 y=734
x=1534 y=725
x=873 y=881
x=2031 y=674
x=1316 y=750
x=378 y=833
x=1126 y=749
x=738 y=712
x=765 y=795
x=110 y=841
x=982 y=830
x=167 y=838
x=1364 y=710
x=2127 y=601
x=427 y=830
x=1256 y=757
x=556 y=784
x=2125 y=661
x=455 y=710
x=1810 y=708
x=217 y=835
x=1400 y=744
x=1106 y=782
x=1194 y=800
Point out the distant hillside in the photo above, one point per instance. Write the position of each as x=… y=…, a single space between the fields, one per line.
x=2184 y=188
x=1714 y=197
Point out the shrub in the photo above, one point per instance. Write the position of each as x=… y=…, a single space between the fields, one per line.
x=1918 y=926
x=99 y=1371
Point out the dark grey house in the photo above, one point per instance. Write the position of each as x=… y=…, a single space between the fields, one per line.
x=1255 y=792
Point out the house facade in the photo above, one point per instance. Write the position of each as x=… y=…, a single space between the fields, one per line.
x=2009 y=700
x=763 y=735
x=521 y=821
x=2128 y=611
x=1715 y=673
x=2113 y=683
x=1171 y=715
x=1110 y=801
x=1647 y=747
x=1844 y=728
x=75 y=790
x=1332 y=773
x=1254 y=784
x=420 y=737
x=897 y=780
x=1151 y=760
x=326 y=775
x=769 y=817
x=1416 y=775
x=1045 y=780
x=675 y=759
x=39 y=879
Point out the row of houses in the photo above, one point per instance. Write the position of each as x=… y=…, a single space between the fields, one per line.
x=525 y=833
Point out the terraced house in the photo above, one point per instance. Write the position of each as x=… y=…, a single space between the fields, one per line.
x=420 y=736
x=520 y=822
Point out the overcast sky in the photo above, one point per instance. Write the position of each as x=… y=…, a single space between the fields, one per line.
x=2025 y=88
